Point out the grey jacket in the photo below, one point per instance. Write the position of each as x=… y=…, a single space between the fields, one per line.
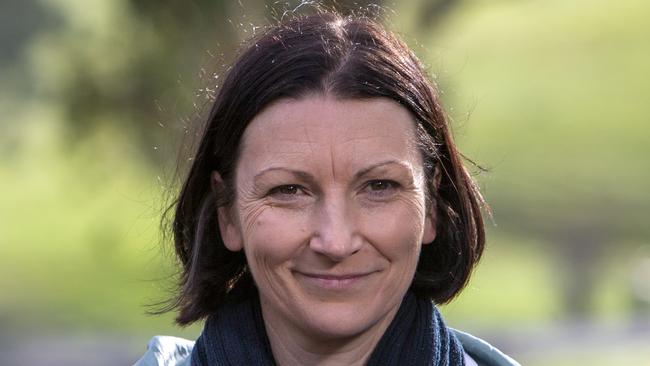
x=173 y=351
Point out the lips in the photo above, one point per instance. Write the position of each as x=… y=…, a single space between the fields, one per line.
x=332 y=281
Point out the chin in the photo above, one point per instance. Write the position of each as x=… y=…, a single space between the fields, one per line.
x=343 y=320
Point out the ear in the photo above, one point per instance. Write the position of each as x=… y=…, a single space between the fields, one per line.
x=430 y=225
x=431 y=219
x=228 y=225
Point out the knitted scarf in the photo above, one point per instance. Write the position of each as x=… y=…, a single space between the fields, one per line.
x=235 y=335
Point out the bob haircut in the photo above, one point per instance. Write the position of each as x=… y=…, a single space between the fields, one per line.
x=345 y=57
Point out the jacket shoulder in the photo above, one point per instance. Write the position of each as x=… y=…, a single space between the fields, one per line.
x=482 y=352
x=167 y=351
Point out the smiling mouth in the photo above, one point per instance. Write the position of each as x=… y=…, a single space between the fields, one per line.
x=332 y=282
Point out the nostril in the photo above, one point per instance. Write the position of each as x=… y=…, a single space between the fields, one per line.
x=336 y=248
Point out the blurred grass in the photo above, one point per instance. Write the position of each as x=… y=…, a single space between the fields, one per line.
x=635 y=355
x=80 y=247
x=513 y=285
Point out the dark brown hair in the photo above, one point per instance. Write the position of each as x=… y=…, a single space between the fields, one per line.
x=350 y=57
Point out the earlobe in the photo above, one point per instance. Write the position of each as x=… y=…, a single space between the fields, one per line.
x=431 y=219
x=230 y=234
x=430 y=226
x=229 y=230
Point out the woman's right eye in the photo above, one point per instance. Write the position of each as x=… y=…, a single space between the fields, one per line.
x=285 y=190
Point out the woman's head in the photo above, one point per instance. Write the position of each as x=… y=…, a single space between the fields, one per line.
x=330 y=211
x=331 y=61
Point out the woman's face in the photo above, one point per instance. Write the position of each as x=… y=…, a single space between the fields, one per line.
x=330 y=212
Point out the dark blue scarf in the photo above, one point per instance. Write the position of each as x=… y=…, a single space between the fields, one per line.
x=235 y=335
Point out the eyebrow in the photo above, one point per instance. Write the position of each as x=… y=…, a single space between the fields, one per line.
x=298 y=173
x=380 y=164
x=310 y=178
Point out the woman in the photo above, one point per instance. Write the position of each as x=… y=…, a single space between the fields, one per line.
x=326 y=210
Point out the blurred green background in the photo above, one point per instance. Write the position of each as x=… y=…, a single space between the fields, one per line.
x=97 y=98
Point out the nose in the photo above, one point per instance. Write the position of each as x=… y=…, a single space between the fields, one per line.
x=335 y=235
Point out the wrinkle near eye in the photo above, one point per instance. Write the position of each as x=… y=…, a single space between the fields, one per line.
x=415 y=201
x=250 y=214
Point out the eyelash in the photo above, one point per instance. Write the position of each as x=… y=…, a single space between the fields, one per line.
x=388 y=185
x=385 y=187
x=295 y=188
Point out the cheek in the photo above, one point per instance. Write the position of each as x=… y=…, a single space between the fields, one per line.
x=396 y=231
x=273 y=235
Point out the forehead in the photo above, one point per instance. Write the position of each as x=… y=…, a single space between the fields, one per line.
x=314 y=127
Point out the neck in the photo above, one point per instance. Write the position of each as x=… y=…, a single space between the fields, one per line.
x=293 y=346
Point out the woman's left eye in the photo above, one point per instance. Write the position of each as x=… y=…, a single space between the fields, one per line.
x=381 y=186
x=288 y=189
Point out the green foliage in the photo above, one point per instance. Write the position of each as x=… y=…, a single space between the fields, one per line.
x=551 y=96
x=80 y=246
